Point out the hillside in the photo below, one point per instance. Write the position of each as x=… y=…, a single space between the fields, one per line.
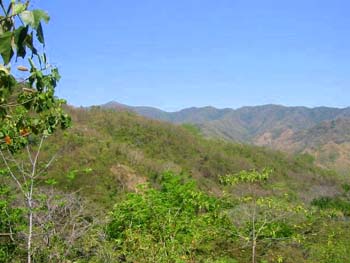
x=124 y=149
x=106 y=154
x=322 y=131
x=328 y=141
x=244 y=124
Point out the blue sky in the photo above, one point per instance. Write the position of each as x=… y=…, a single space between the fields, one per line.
x=225 y=53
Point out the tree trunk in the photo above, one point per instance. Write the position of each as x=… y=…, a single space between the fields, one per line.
x=254 y=251
x=30 y=232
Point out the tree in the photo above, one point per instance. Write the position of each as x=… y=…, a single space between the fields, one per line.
x=260 y=218
x=29 y=110
x=176 y=223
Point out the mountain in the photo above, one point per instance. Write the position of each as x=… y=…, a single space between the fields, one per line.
x=272 y=119
x=246 y=124
x=190 y=115
x=124 y=149
x=292 y=129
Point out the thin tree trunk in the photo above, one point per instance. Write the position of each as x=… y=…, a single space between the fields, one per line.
x=30 y=216
x=30 y=232
x=254 y=251
x=30 y=199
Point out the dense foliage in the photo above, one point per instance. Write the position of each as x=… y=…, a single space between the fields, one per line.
x=107 y=154
x=127 y=189
x=173 y=224
x=122 y=148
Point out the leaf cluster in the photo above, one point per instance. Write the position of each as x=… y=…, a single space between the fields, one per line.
x=27 y=104
x=245 y=176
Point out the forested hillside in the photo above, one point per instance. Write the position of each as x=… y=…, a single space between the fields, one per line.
x=107 y=154
x=108 y=141
x=322 y=132
x=245 y=124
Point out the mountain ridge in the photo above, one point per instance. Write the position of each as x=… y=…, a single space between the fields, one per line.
x=296 y=129
x=244 y=124
x=148 y=111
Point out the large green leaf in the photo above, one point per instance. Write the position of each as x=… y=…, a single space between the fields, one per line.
x=5 y=41
x=5 y=47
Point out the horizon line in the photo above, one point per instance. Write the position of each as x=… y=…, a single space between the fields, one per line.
x=207 y=106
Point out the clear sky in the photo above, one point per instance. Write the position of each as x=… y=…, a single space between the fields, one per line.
x=173 y=54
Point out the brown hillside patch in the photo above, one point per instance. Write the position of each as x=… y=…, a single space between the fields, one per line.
x=127 y=177
x=282 y=142
x=332 y=155
x=264 y=139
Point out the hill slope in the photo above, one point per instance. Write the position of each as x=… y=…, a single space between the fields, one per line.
x=328 y=141
x=322 y=131
x=244 y=124
x=121 y=149
x=106 y=154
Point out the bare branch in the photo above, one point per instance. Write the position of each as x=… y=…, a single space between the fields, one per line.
x=48 y=164
x=12 y=174
x=29 y=154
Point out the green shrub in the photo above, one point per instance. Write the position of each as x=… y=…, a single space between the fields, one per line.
x=176 y=223
x=332 y=203
x=11 y=221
